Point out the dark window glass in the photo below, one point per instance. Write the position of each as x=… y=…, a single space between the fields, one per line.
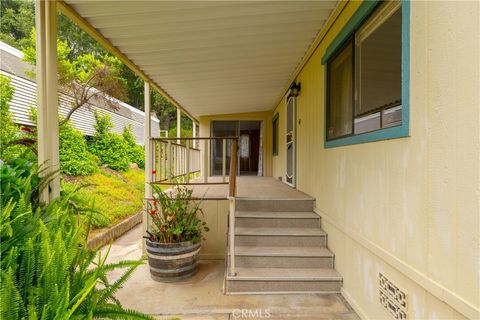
x=275 y=134
x=340 y=93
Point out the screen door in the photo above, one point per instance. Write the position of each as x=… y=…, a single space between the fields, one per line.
x=290 y=141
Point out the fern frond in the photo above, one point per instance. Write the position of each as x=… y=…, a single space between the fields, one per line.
x=112 y=289
x=112 y=311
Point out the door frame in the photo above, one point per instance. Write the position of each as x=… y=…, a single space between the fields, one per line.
x=293 y=142
x=238 y=121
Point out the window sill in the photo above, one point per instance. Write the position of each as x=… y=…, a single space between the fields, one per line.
x=378 y=135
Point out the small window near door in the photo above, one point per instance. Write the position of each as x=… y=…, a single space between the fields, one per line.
x=364 y=81
x=275 y=134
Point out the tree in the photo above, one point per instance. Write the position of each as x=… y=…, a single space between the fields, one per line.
x=86 y=78
x=166 y=112
x=18 y=19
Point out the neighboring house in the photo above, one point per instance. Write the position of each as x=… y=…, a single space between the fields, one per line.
x=24 y=98
x=364 y=113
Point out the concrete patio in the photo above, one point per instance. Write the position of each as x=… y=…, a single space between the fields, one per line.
x=201 y=297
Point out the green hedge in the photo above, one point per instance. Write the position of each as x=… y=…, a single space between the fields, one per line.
x=110 y=148
x=136 y=153
x=75 y=159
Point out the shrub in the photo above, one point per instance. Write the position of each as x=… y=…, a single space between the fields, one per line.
x=185 y=133
x=75 y=158
x=136 y=153
x=46 y=270
x=9 y=130
x=109 y=147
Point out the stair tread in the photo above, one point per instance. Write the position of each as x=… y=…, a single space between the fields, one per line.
x=294 y=251
x=285 y=274
x=263 y=231
x=278 y=215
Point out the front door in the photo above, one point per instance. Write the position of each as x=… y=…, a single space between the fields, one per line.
x=290 y=178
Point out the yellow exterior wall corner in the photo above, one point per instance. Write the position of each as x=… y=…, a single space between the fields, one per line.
x=407 y=207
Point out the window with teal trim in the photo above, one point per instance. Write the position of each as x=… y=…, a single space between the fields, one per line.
x=275 y=134
x=364 y=77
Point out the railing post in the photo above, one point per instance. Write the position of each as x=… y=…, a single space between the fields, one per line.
x=224 y=159
x=233 y=169
x=158 y=150
x=169 y=160
x=231 y=234
x=187 y=160
x=205 y=161
x=179 y=125
x=194 y=134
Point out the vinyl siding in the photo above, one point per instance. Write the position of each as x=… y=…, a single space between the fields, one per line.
x=25 y=95
x=406 y=207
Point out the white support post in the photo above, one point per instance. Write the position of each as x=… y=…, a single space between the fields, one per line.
x=224 y=159
x=179 y=125
x=147 y=133
x=187 y=160
x=205 y=160
x=231 y=234
x=47 y=93
x=169 y=160
x=194 y=134
x=158 y=150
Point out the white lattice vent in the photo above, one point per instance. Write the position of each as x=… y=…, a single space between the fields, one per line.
x=392 y=298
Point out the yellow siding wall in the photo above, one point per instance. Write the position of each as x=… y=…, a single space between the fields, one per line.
x=266 y=117
x=406 y=207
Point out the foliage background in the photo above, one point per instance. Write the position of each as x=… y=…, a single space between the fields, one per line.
x=15 y=29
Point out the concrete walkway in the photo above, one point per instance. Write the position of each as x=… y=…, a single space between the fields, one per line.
x=201 y=297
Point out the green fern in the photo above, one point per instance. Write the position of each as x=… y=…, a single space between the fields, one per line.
x=46 y=270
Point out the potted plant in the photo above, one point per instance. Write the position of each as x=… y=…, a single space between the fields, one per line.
x=174 y=234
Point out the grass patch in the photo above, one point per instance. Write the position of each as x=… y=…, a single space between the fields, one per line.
x=114 y=195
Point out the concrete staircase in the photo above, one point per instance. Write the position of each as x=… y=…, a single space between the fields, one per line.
x=280 y=248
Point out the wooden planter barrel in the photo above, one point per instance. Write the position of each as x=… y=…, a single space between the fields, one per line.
x=172 y=261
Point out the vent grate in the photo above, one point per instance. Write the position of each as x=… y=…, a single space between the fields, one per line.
x=393 y=300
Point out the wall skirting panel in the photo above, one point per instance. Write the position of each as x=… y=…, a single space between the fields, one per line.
x=430 y=285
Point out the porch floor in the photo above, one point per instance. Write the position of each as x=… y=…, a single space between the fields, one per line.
x=201 y=296
x=249 y=187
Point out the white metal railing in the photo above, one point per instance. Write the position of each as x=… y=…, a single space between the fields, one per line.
x=177 y=163
x=174 y=163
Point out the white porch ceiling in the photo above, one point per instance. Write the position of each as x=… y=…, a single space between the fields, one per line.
x=213 y=57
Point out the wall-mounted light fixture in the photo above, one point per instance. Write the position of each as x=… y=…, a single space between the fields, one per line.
x=295 y=89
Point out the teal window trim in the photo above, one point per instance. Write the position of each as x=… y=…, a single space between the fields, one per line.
x=275 y=128
x=382 y=134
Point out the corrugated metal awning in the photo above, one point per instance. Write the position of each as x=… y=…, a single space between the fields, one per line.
x=212 y=57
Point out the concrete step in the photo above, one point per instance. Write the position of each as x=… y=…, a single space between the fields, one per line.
x=276 y=219
x=283 y=257
x=284 y=280
x=246 y=236
x=277 y=205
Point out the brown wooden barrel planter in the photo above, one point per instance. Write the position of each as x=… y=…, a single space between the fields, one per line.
x=172 y=261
